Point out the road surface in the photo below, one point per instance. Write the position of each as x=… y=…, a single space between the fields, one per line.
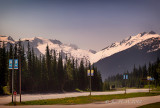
x=28 y=97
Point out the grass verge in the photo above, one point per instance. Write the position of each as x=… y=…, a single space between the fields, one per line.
x=156 y=89
x=84 y=99
x=153 y=105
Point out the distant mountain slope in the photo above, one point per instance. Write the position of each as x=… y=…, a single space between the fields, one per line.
x=139 y=54
x=123 y=45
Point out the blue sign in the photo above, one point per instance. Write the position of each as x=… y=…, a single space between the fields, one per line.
x=151 y=79
x=10 y=63
x=126 y=76
x=15 y=63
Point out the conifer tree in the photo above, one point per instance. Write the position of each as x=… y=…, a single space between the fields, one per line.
x=60 y=72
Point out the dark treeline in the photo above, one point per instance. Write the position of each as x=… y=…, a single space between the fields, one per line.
x=137 y=77
x=47 y=73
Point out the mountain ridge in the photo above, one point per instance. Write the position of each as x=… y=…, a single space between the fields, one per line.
x=138 y=55
x=122 y=45
x=39 y=44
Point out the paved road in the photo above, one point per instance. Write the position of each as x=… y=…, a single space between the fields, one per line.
x=118 y=103
x=27 y=97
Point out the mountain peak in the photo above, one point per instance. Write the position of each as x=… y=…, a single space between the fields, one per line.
x=152 y=32
x=6 y=38
x=142 y=34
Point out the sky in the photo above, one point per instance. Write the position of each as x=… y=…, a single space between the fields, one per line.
x=90 y=24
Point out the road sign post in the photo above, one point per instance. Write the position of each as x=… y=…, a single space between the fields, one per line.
x=12 y=78
x=90 y=73
x=13 y=64
x=125 y=77
x=149 y=78
x=11 y=67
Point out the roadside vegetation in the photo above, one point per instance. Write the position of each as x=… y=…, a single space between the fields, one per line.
x=137 y=78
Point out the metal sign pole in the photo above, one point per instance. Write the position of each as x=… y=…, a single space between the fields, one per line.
x=125 y=77
x=125 y=85
x=90 y=83
x=20 y=71
x=12 y=76
x=149 y=86
x=90 y=73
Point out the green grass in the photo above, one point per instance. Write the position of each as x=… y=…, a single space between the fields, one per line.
x=84 y=99
x=153 y=105
x=156 y=89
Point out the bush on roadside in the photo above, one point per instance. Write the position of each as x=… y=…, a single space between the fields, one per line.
x=6 y=90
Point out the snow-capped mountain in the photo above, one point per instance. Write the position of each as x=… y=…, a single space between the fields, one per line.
x=39 y=45
x=121 y=46
x=116 y=58
x=71 y=50
x=140 y=54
